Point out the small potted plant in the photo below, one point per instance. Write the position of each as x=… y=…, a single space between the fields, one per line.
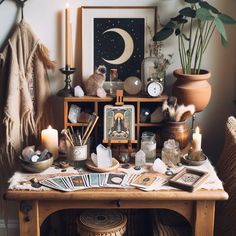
x=194 y=27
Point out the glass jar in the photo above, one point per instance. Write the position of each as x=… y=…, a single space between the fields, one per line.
x=170 y=154
x=115 y=82
x=151 y=71
x=148 y=145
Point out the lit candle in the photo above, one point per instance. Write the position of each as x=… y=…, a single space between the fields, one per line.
x=68 y=34
x=197 y=140
x=49 y=139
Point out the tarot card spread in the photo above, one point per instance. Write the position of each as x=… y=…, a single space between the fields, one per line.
x=146 y=182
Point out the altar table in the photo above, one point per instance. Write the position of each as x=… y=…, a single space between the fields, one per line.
x=197 y=207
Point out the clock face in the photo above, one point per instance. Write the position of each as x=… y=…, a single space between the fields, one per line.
x=155 y=89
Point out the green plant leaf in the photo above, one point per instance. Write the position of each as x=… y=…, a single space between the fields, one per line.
x=203 y=14
x=163 y=34
x=224 y=42
x=206 y=5
x=170 y=25
x=177 y=18
x=188 y=12
x=192 y=1
x=227 y=19
x=220 y=27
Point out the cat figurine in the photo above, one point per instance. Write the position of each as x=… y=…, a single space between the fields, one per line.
x=94 y=84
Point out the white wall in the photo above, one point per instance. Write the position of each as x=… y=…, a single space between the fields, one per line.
x=45 y=17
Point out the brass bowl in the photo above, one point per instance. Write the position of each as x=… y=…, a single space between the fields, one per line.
x=36 y=167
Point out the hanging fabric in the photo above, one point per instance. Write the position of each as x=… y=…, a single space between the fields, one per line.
x=24 y=89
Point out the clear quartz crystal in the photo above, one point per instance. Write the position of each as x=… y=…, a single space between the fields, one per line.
x=148 y=145
x=104 y=156
x=171 y=153
x=140 y=158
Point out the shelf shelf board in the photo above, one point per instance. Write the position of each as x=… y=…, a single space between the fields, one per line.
x=88 y=99
x=119 y=141
x=111 y=99
x=149 y=124
x=76 y=124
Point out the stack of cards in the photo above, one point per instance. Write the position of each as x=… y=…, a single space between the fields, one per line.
x=146 y=182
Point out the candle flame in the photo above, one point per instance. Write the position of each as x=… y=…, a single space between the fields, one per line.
x=49 y=127
x=67 y=4
x=197 y=130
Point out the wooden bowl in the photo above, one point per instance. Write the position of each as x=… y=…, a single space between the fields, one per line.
x=90 y=165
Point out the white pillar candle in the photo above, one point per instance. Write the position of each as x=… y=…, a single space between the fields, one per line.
x=68 y=35
x=49 y=139
x=197 y=140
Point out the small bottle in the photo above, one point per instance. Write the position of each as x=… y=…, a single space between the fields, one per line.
x=114 y=81
x=148 y=145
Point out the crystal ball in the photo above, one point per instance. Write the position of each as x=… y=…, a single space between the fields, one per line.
x=132 y=85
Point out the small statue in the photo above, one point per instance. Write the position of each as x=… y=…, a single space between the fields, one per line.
x=94 y=84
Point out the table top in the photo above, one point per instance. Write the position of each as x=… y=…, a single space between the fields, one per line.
x=117 y=194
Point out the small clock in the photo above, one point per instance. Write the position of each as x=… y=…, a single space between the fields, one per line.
x=154 y=89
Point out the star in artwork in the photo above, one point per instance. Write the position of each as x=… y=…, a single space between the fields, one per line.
x=119 y=43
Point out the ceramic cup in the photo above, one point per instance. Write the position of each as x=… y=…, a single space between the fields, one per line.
x=78 y=153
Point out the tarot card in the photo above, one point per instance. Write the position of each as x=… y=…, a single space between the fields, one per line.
x=129 y=178
x=60 y=182
x=49 y=184
x=156 y=185
x=94 y=179
x=86 y=180
x=67 y=182
x=102 y=179
x=52 y=185
x=144 y=180
x=114 y=180
x=78 y=181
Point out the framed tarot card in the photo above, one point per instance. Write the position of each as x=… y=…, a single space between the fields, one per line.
x=188 y=179
x=117 y=37
x=119 y=122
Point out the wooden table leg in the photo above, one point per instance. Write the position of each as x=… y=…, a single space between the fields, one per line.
x=29 y=218
x=204 y=218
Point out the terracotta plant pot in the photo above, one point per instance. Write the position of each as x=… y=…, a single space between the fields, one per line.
x=192 y=89
x=178 y=131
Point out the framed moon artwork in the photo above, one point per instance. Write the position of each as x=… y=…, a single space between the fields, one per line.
x=117 y=37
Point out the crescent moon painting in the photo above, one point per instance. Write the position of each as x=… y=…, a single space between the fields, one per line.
x=119 y=44
x=128 y=46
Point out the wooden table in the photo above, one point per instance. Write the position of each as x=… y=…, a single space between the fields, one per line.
x=198 y=207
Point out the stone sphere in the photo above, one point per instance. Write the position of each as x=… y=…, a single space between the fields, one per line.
x=132 y=85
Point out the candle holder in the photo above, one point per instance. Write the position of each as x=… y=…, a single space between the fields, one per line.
x=68 y=90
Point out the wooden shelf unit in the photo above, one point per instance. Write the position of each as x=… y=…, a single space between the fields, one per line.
x=97 y=104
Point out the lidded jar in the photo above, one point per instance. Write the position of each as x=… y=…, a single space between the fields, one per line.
x=148 y=145
x=171 y=153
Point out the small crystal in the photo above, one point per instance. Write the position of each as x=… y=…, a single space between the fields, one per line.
x=169 y=172
x=140 y=158
x=159 y=166
x=104 y=157
x=78 y=91
x=74 y=113
x=34 y=158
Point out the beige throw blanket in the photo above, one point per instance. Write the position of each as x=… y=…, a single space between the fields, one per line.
x=24 y=92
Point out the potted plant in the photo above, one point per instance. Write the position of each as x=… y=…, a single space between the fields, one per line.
x=194 y=27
